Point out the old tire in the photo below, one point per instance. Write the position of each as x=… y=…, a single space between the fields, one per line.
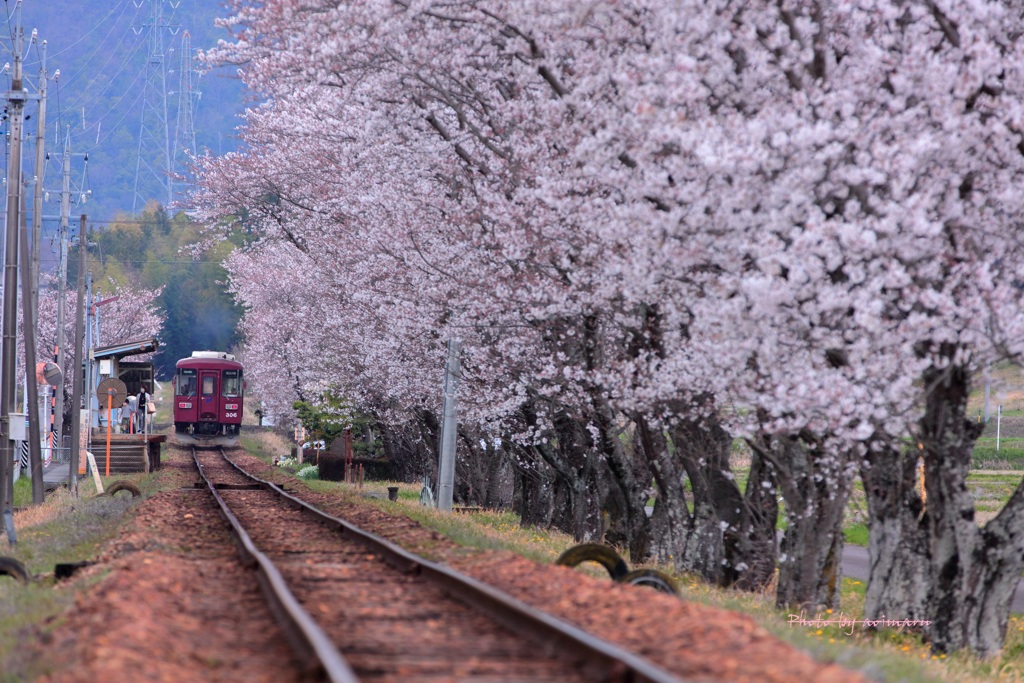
x=595 y=552
x=13 y=568
x=122 y=485
x=651 y=578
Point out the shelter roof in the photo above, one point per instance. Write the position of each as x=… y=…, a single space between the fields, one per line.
x=131 y=348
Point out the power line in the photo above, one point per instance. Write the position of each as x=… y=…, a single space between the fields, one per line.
x=101 y=22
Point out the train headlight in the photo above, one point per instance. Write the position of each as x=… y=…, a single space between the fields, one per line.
x=231 y=406
x=184 y=405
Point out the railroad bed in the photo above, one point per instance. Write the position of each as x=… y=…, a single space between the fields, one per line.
x=398 y=619
x=168 y=599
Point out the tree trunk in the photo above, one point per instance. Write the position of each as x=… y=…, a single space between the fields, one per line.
x=627 y=500
x=569 y=459
x=815 y=487
x=973 y=571
x=753 y=566
x=670 y=522
x=533 y=495
x=899 y=585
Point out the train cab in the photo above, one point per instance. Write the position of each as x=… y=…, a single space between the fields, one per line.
x=209 y=392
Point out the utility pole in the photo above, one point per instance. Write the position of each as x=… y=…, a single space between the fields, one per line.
x=65 y=210
x=449 y=426
x=8 y=364
x=153 y=161
x=31 y=385
x=65 y=214
x=79 y=363
x=37 y=197
x=30 y=285
x=90 y=343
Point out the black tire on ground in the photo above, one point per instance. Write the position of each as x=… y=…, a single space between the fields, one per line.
x=13 y=568
x=122 y=485
x=651 y=578
x=595 y=552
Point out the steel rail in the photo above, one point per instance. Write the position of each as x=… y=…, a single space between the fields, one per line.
x=613 y=663
x=302 y=630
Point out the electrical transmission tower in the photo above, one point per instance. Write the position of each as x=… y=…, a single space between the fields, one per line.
x=153 y=163
x=184 y=127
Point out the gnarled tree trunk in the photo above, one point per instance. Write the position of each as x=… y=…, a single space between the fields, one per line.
x=731 y=538
x=815 y=487
x=899 y=585
x=670 y=521
x=973 y=570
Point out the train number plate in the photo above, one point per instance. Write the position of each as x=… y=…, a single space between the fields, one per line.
x=230 y=414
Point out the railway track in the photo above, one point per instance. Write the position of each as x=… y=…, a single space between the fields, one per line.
x=359 y=608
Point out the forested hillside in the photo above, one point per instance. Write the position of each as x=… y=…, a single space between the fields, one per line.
x=154 y=251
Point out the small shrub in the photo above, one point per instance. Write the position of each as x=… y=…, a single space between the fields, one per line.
x=287 y=462
x=308 y=472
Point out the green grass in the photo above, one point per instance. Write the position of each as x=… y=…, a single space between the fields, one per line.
x=856 y=534
x=62 y=529
x=22 y=492
x=986 y=457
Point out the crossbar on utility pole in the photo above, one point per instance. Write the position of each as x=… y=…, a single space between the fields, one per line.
x=449 y=427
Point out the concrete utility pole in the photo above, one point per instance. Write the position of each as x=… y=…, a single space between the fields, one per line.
x=65 y=211
x=9 y=355
x=31 y=384
x=30 y=286
x=90 y=344
x=37 y=197
x=79 y=362
x=449 y=428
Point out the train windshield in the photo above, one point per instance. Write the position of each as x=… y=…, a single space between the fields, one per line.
x=232 y=383
x=186 y=384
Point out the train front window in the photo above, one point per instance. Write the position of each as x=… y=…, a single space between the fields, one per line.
x=207 y=386
x=186 y=384
x=232 y=383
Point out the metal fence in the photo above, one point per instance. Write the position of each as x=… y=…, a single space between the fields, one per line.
x=58 y=454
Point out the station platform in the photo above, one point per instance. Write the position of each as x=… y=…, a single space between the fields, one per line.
x=129 y=453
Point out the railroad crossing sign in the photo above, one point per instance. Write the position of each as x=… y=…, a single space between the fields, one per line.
x=112 y=384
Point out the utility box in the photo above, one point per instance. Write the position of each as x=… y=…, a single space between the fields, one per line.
x=19 y=426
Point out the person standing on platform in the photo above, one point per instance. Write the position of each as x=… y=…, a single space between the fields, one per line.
x=144 y=410
x=132 y=405
x=115 y=420
x=126 y=420
x=140 y=414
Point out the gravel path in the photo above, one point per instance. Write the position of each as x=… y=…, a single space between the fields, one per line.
x=169 y=606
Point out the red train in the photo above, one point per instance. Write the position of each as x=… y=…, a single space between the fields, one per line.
x=208 y=397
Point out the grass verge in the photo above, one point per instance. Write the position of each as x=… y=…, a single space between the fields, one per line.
x=61 y=529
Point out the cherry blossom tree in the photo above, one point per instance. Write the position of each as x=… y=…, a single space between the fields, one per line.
x=133 y=315
x=657 y=227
